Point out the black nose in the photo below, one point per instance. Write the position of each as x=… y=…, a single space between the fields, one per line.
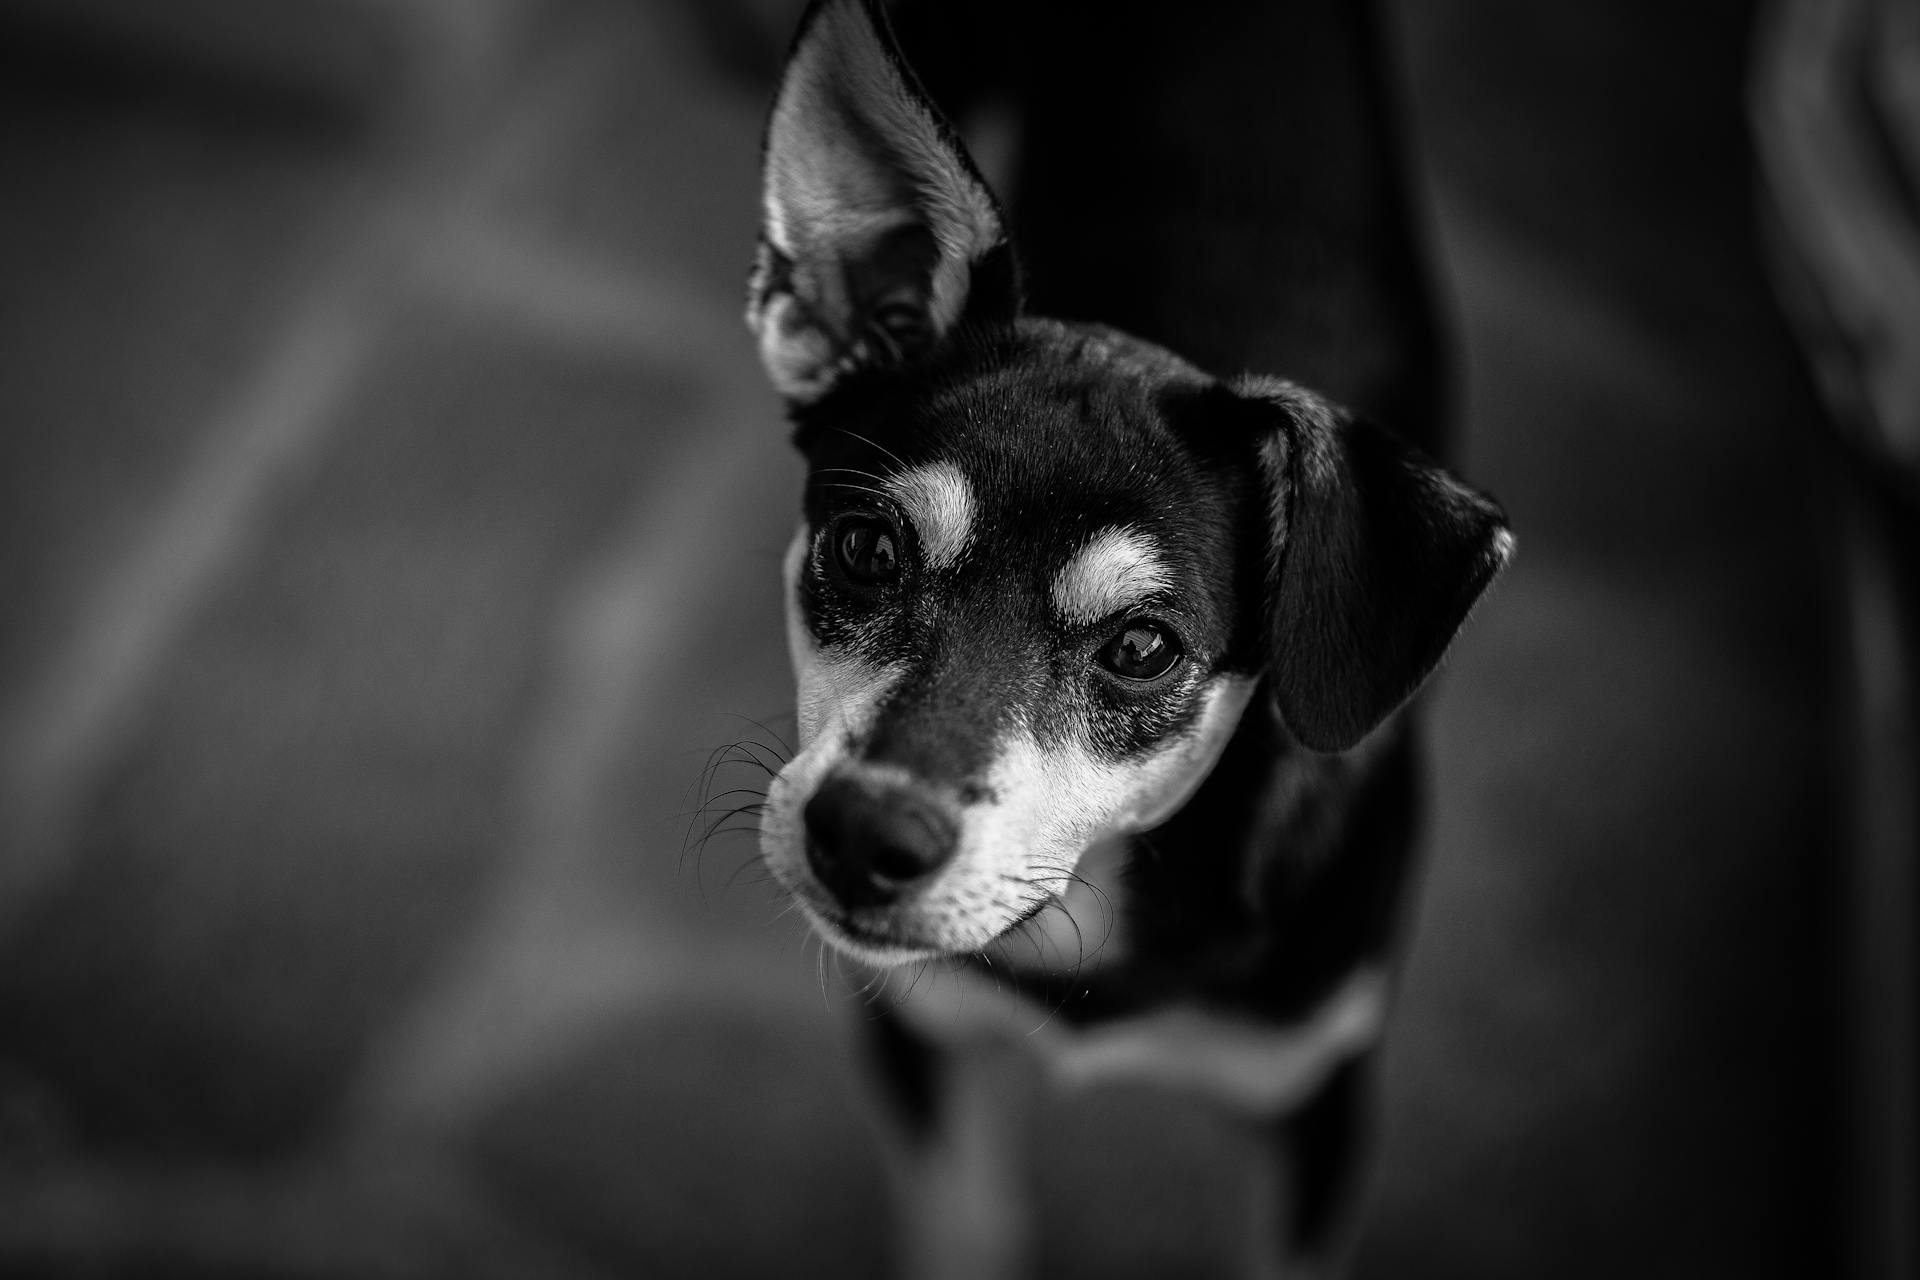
x=870 y=845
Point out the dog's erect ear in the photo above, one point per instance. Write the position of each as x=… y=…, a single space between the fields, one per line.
x=875 y=221
x=1375 y=556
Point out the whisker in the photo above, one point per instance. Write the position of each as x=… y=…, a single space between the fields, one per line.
x=785 y=751
x=710 y=818
x=919 y=972
x=737 y=811
x=1079 y=942
x=853 y=488
x=820 y=967
x=987 y=960
x=873 y=443
x=874 y=476
x=718 y=828
x=707 y=805
x=701 y=786
x=746 y=864
x=742 y=753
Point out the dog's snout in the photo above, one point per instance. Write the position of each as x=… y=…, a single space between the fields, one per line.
x=871 y=845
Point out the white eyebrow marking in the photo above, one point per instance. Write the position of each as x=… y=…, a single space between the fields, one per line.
x=939 y=503
x=1117 y=567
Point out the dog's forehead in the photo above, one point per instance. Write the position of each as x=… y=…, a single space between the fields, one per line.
x=1035 y=459
x=1049 y=481
x=1089 y=574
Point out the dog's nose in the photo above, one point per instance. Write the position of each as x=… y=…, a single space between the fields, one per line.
x=870 y=845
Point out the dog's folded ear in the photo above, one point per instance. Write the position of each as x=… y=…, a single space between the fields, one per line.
x=877 y=232
x=1375 y=554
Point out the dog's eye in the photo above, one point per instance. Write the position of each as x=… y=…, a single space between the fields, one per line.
x=867 y=552
x=1144 y=651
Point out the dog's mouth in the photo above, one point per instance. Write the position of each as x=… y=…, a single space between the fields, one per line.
x=890 y=941
x=882 y=941
x=891 y=935
x=881 y=946
x=877 y=937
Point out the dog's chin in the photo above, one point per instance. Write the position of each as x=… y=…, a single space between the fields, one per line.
x=880 y=948
x=884 y=944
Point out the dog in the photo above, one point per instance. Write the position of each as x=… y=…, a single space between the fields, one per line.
x=1101 y=662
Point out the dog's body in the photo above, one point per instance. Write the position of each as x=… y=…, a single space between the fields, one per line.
x=1099 y=660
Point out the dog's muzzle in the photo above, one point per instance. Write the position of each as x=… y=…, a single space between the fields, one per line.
x=872 y=844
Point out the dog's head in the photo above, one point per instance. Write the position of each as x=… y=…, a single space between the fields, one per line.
x=1042 y=567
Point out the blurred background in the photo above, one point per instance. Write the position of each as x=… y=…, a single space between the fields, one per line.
x=391 y=510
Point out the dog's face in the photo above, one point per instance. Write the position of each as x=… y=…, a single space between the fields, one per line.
x=1042 y=568
x=1012 y=613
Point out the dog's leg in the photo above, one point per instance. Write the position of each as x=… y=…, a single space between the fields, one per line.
x=953 y=1125
x=1307 y=1207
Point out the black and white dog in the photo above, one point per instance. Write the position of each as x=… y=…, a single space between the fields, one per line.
x=1098 y=658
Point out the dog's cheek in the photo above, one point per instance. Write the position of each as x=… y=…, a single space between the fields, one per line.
x=1051 y=799
x=1126 y=730
x=1055 y=799
x=1164 y=780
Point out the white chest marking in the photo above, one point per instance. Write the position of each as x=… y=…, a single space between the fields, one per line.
x=1116 y=568
x=1255 y=1068
x=939 y=502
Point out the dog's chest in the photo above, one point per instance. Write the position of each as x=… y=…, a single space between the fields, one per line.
x=1247 y=1065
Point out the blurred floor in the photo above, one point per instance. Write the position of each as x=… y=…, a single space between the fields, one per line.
x=392 y=511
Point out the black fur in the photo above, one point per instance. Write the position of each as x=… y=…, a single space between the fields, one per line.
x=1378 y=556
